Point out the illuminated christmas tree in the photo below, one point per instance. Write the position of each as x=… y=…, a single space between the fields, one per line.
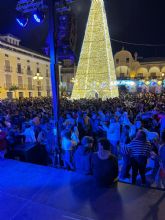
x=95 y=77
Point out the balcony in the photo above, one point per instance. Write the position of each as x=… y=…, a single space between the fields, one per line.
x=8 y=69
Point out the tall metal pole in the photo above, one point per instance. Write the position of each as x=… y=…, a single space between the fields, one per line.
x=54 y=75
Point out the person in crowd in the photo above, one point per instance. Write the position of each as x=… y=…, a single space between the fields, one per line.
x=68 y=147
x=3 y=143
x=139 y=150
x=126 y=163
x=85 y=117
x=83 y=156
x=161 y=175
x=29 y=134
x=104 y=165
x=113 y=134
x=75 y=134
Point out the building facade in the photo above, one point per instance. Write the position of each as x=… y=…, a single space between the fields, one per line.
x=23 y=73
x=148 y=74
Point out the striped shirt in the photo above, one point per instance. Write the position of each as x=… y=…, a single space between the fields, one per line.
x=138 y=148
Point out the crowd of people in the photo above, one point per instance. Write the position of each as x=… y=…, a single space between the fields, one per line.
x=93 y=134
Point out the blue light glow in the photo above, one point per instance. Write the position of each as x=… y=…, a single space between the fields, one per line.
x=38 y=20
x=22 y=22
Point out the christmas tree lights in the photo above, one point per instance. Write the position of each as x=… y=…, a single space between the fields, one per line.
x=96 y=69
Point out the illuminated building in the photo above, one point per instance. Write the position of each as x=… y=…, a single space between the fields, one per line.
x=96 y=70
x=148 y=73
x=18 y=68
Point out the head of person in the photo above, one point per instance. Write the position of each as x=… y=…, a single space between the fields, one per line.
x=67 y=135
x=112 y=120
x=103 y=144
x=68 y=116
x=85 y=114
x=141 y=135
x=87 y=142
x=94 y=115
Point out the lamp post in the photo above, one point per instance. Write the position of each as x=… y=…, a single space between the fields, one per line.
x=38 y=78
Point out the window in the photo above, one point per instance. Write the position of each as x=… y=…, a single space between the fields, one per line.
x=29 y=72
x=30 y=86
x=38 y=70
x=47 y=73
x=127 y=60
x=117 y=61
x=6 y=55
x=7 y=66
x=19 y=69
x=20 y=95
x=47 y=84
x=8 y=81
x=20 y=82
x=30 y=94
x=140 y=75
x=18 y=58
x=153 y=75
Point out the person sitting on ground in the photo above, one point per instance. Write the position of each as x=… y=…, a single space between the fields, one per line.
x=83 y=156
x=104 y=165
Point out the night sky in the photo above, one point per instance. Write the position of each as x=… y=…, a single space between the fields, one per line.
x=138 y=21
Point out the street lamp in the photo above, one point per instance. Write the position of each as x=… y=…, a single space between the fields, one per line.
x=38 y=78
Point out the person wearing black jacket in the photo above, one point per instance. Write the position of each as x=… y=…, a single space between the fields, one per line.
x=104 y=165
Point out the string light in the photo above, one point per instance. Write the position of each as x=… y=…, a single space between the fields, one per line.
x=96 y=69
x=137 y=44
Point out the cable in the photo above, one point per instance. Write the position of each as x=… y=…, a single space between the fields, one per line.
x=138 y=44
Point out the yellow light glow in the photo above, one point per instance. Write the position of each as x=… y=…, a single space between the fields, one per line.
x=96 y=69
x=159 y=83
x=147 y=83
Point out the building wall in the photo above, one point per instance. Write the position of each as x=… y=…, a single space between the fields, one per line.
x=13 y=55
x=128 y=66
